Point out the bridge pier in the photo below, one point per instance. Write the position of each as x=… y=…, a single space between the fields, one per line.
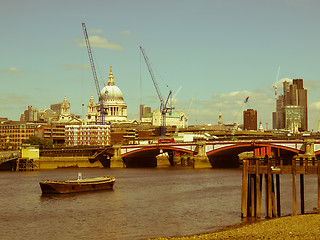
x=182 y=160
x=201 y=160
x=116 y=161
x=176 y=161
x=163 y=161
x=185 y=161
x=309 y=147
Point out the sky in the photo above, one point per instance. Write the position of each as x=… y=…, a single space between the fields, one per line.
x=211 y=54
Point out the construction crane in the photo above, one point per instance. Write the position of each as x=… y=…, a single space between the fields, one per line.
x=102 y=112
x=186 y=116
x=164 y=108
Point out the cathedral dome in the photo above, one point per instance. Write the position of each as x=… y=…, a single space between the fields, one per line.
x=115 y=110
x=111 y=91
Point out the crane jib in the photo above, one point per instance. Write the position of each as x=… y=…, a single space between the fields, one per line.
x=163 y=104
x=102 y=112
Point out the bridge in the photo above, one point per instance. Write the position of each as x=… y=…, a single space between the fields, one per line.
x=198 y=154
x=208 y=154
x=7 y=159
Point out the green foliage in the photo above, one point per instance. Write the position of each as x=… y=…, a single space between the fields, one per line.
x=41 y=142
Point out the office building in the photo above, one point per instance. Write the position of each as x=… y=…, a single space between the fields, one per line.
x=144 y=110
x=250 y=119
x=291 y=108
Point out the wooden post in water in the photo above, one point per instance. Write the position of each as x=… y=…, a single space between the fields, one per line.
x=244 y=202
x=302 y=189
x=258 y=191
x=274 y=212
x=318 y=171
x=269 y=190
x=266 y=195
x=302 y=193
x=252 y=184
x=252 y=192
x=294 y=187
x=249 y=195
x=278 y=194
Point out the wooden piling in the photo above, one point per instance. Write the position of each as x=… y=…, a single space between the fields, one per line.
x=278 y=194
x=302 y=186
x=249 y=196
x=273 y=197
x=294 y=187
x=252 y=183
x=244 y=202
x=258 y=191
x=318 y=172
x=302 y=193
x=252 y=193
x=266 y=195
x=269 y=190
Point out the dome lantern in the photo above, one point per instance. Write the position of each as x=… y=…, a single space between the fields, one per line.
x=111 y=92
x=110 y=78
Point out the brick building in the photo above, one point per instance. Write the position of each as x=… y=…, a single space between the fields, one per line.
x=250 y=119
x=12 y=133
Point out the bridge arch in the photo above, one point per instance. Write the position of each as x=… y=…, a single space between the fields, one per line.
x=228 y=156
x=147 y=156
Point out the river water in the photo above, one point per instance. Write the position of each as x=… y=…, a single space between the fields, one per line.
x=145 y=203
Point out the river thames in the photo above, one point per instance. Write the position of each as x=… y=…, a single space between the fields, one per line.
x=145 y=203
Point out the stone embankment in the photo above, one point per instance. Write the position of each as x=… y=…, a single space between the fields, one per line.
x=290 y=227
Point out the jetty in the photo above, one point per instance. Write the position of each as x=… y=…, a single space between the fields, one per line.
x=267 y=171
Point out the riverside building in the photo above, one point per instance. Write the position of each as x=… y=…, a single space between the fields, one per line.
x=12 y=133
x=87 y=135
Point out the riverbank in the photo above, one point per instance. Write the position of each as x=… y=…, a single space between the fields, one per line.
x=290 y=227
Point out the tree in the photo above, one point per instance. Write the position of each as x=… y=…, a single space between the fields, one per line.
x=41 y=142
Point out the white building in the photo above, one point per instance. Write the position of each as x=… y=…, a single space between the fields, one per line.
x=114 y=107
x=175 y=119
x=87 y=135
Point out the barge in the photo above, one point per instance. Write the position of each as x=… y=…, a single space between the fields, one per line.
x=79 y=185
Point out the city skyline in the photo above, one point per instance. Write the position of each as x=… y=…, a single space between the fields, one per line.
x=219 y=51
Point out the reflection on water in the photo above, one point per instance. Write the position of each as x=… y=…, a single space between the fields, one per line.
x=145 y=203
x=48 y=197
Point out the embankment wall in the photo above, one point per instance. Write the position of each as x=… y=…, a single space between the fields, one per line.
x=66 y=162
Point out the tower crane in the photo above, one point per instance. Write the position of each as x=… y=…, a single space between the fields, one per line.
x=188 y=110
x=164 y=108
x=102 y=112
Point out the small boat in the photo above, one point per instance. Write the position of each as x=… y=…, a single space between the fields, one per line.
x=79 y=185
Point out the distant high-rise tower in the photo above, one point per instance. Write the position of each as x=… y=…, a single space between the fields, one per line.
x=250 y=119
x=31 y=115
x=144 y=110
x=291 y=108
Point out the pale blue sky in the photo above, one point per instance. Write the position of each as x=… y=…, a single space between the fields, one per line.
x=220 y=50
